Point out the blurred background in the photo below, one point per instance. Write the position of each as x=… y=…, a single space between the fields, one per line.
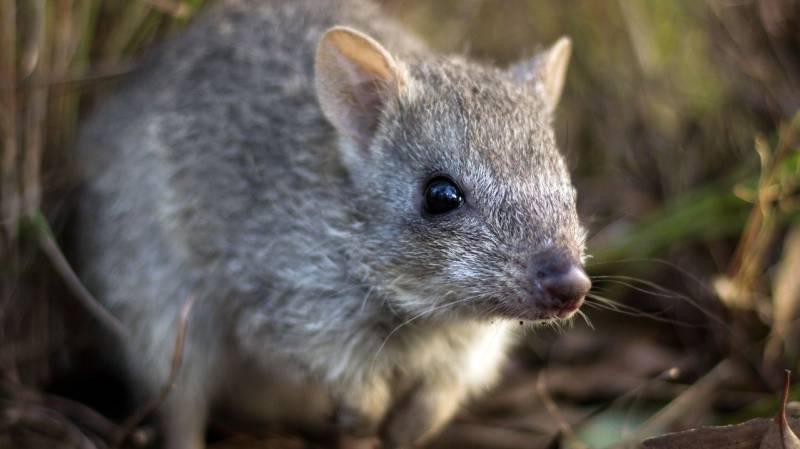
x=679 y=120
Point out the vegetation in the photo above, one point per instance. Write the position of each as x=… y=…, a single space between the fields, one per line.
x=680 y=120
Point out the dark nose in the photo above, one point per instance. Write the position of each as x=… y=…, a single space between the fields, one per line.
x=564 y=281
x=567 y=285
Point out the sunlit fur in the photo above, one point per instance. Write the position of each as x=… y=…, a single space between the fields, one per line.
x=322 y=294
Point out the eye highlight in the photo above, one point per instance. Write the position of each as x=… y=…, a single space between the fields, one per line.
x=442 y=195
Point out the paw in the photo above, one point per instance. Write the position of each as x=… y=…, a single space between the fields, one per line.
x=360 y=412
x=406 y=431
x=419 y=418
x=354 y=424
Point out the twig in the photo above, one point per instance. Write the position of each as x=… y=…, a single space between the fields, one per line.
x=177 y=357
x=60 y=263
x=687 y=400
x=635 y=393
x=552 y=409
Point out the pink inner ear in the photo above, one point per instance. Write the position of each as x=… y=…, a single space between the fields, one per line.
x=355 y=77
x=366 y=102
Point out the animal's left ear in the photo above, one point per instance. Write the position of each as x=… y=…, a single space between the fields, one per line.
x=355 y=78
x=546 y=71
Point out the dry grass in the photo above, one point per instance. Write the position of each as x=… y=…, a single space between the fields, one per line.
x=57 y=57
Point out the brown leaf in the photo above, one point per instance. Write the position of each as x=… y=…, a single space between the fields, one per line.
x=779 y=437
x=759 y=433
x=746 y=435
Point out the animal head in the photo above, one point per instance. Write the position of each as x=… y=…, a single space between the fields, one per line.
x=466 y=204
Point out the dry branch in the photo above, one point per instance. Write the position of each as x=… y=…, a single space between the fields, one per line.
x=177 y=357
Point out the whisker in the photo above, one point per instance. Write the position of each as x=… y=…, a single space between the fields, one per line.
x=585 y=319
x=663 y=262
x=420 y=315
x=670 y=294
x=615 y=304
x=608 y=304
x=627 y=283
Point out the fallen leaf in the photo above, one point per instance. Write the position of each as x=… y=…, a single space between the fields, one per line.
x=760 y=433
x=746 y=435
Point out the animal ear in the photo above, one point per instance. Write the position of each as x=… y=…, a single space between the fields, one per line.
x=355 y=77
x=546 y=71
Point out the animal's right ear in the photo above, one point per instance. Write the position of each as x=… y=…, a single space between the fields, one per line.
x=355 y=77
x=547 y=71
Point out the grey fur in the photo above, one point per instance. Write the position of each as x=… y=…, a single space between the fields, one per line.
x=321 y=291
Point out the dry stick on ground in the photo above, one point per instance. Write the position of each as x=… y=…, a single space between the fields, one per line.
x=634 y=394
x=177 y=357
x=702 y=390
x=53 y=252
x=552 y=409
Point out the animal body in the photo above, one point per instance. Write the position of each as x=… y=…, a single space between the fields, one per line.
x=360 y=222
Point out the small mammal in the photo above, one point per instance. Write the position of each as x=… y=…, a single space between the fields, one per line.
x=362 y=223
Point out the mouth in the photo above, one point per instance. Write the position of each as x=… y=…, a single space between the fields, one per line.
x=560 y=312
x=567 y=309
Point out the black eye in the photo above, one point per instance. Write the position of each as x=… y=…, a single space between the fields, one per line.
x=442 y=195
